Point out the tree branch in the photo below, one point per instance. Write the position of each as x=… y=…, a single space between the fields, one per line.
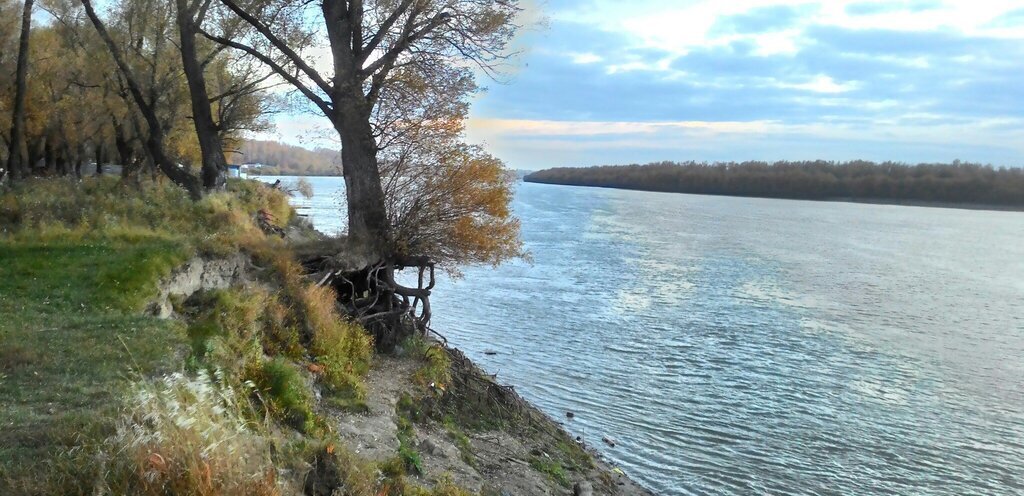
x=280 y=45
x=324 y=106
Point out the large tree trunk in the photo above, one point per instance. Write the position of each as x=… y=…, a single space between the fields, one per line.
x=367 y=214
x=35 y=154
x=155 y=138
x=214 y=168
x=124 y=148
x=16 y=156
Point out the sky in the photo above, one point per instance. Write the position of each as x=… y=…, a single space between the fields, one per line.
x=613 y=82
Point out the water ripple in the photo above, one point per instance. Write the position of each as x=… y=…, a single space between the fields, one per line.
x=746 y=346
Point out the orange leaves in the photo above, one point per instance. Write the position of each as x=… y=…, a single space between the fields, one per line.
x=457 y=211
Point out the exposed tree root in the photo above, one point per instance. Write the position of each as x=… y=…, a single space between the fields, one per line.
x=388 y=309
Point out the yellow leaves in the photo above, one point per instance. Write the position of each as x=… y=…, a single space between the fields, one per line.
x=459 y=212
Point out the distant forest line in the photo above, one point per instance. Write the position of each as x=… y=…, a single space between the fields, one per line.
x=279 y=159
x=957 y=183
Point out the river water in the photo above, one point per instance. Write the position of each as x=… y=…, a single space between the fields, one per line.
x=757 y=346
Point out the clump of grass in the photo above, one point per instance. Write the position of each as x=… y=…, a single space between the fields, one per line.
x=409 y=455
x=347 y=401
x=575 y=457
x=185 y=435
x=407 y=413
x=564 y=457
x=460 y=439
x=286 y=393
x=550 y=467
x=229 y=317
x=342 y=347
x=436 y=368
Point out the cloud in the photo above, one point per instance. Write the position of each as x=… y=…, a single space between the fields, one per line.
x=911 y=80
x=761 y=19
x=870 y=8
x=1011 y=19
x=889 y=42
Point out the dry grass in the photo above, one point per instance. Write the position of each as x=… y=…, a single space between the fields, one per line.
x=105 y=208
x=186 y=435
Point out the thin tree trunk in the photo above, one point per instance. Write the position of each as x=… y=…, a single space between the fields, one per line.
x=16 y=157
x=99 y=159
x=214 y=167
x=49 y=159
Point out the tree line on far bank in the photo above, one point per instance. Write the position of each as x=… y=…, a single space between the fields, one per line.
x=956 y=182
x=280 y=159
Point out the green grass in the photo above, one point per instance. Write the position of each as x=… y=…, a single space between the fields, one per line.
x=552 y=468
x=460 y=439
x=71 y=340
x=286 y=392
x=78 y=264
x=407 y=413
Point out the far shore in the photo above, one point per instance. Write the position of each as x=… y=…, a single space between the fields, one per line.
x=868 y=201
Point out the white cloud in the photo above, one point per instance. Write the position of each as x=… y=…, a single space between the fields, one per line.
x=822 y=84
x=677 y=27
x=585 y=58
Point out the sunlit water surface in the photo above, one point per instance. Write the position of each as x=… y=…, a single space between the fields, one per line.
x=738 y=345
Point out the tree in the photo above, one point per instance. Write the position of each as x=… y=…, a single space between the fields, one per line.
x=383 y=54
x=369 y=43
x=155 y=141
x=16 y=156
x=180 y=123
x=189 y=16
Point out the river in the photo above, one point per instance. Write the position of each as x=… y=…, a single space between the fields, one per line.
x=757 y=346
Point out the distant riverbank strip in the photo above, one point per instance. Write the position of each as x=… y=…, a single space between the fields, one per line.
x=957 y=184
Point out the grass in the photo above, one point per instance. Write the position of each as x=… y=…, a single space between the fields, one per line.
x=435 y=372
x=79 y=262
x=408 y=413
x=552 y=468
x=286 y=392
x=69 y=345
x=460 y=439
x=92 y=395
x=185 y=435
